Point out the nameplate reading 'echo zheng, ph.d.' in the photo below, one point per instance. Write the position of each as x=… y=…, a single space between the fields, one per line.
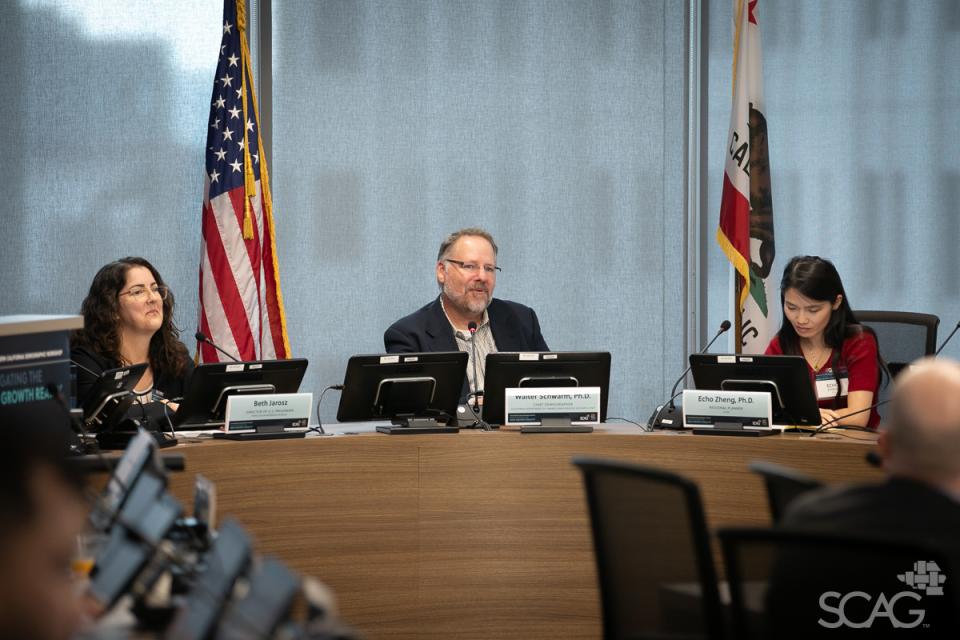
x=530 y=405
x=273 y=411
x=706 y=408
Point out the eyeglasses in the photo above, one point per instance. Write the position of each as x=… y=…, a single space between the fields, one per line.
x=140 y=293
x=472 y=268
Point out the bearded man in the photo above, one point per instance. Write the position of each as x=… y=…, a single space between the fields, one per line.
x=467 y=274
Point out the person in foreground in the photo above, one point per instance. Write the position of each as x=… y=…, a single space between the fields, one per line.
x=920 y=448
x=128 y=320
x=41 y=515
x=466 y=272
x=842 y=355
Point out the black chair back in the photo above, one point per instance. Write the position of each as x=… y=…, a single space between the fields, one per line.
x=657 y=578
x=902 y=337
x=783 y=485
x=788 y=585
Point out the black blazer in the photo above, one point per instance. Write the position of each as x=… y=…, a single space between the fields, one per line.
x=164 y=382
x=898 y=508
x=514 y=327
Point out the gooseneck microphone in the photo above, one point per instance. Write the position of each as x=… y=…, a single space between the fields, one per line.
x=724 y=327
x=829 y=424
x=944 y=343
x=87 y=369
x=202 y=337
x=666 y=416
x=478 y=421
x=472 y=328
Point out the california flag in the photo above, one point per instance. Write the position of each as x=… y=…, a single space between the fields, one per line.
x=746 y=209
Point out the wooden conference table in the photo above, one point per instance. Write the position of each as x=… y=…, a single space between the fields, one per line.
x=474 y=535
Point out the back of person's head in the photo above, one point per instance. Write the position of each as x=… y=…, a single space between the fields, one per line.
x=921 y=437
x=818 y=279
x=41 y=514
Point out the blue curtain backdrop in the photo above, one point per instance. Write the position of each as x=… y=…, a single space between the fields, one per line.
x=559 y=126
x=863 y=111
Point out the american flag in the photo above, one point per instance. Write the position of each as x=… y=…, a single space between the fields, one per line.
x=241 y=307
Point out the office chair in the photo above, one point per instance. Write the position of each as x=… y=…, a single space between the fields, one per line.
x=902 y=336
x=783 y=485
x=788 y=585
x=657 y=578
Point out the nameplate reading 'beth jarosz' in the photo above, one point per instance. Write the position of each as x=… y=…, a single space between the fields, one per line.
x=274 y=411
x=531 y=405
x=705 y=408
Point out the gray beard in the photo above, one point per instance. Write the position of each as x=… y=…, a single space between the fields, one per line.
x=463 y=304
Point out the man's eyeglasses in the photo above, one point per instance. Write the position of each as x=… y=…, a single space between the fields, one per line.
x=472 y=267
x=140 y=293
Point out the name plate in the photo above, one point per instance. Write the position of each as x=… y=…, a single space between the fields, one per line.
x=271 y=412
x=530 y=405
x=748 y=409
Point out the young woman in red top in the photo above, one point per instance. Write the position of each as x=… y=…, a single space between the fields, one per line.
x=841 y=354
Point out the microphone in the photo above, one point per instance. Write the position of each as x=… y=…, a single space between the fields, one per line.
x=87 y=369
x=944 y=343
x=666 y=416
x=833 y=423
x=202 y=337
x=472 y=328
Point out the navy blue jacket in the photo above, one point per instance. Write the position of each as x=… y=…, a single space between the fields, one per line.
x=514 y=327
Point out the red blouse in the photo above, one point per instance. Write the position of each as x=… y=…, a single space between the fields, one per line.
x=858 y=369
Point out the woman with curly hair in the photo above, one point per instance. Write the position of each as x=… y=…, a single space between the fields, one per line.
x=128 y=320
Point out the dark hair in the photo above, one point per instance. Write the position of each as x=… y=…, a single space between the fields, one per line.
x=101 y=331
x=816 y=278
x=32 y=435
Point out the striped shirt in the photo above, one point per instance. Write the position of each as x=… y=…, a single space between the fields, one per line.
x=485 y=345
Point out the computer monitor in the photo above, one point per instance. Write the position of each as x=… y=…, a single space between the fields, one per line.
x=199 y=610
x=510 y=370
x=412 y=390
x=147 y=515
x=205 y=400
x=787 y=378
x=106 y=403
x=140 y=456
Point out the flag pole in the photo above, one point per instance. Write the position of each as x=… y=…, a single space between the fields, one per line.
x=737 y=280
x=737 y=313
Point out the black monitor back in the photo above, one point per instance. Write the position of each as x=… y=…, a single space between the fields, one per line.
x=205 y=400
x=795 y=404
x=106 y=403
x=510 y=370
x=378 y=387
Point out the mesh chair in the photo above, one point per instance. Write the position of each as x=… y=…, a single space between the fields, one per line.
x=783 y=484
x=902 y=336
x=657 y=578
x=789 y=584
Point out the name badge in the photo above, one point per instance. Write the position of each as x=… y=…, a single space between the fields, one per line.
x=705 y=408
x=827 y=385
x=276 y=411
x=530 y=405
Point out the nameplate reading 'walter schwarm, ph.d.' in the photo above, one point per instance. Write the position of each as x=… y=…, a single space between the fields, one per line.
x=274 y=411
x=706 y=408
x=531 y=405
